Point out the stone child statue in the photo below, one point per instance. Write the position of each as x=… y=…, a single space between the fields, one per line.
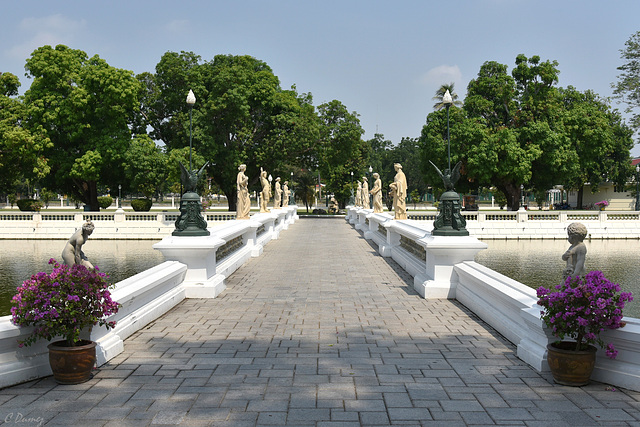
x=72 y=252
x=244 y=202
x=576 y=254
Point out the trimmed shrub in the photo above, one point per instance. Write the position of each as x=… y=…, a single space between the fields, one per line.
x=105 y=201
x=29 y=205
x=141 y=205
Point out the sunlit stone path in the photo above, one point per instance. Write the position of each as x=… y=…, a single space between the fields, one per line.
x=318 y=331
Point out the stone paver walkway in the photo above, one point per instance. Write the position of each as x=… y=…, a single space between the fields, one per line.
x=318 y=331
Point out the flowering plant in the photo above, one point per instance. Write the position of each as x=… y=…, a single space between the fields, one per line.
x=63 y=303
x=602 y=203
x=582 y=307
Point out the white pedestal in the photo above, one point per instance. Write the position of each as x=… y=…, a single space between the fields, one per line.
x=443 y=252
x=198 y=253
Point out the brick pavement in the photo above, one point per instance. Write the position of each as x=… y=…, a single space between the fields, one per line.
x=318 y=331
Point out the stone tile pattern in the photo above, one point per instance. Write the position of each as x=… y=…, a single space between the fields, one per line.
x=318 y=331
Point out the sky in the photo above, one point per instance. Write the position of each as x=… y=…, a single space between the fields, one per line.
x=383 y=60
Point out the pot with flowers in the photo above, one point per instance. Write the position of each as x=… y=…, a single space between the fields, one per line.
x=62 y=304
x=602 y=204
x=580 y=309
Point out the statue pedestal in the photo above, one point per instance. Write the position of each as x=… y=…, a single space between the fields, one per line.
x=199 y=255
x=190 y=222
x=442 y=254
x=449 y=221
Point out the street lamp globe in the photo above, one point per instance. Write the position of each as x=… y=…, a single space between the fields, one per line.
x=191 y=98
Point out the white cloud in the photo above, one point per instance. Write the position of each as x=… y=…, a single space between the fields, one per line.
x=442 y=74
x=178 y=26
x=51 y=30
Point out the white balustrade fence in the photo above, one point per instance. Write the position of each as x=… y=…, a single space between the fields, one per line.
x=148 y=295
x=444 y=267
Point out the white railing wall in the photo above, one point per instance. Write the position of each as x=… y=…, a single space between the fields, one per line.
x=151 y=293
x=108 y=225
x=510 y=307
x=533 y=224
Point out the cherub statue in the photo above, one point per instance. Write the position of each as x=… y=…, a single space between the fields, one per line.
x=576 y=254
x=190 y=179
x=449 y=177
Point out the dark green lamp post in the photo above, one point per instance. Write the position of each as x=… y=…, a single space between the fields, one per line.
x=190 y=221
x=449 y=221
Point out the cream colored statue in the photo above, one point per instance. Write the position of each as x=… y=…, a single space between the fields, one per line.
x=265 y=194
x=244 y=202
x=365 y=193
x=359 y=195
x=72 y=252
x=376 y=192
x=285 y=194
x=277 y=199
x=399 y=190
x=576 y=255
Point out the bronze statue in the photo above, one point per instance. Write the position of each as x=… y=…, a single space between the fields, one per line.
x=190 y=179
x=72 y=252
x=449 y=177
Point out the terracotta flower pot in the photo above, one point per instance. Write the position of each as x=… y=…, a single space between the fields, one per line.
x=72 y=365
x=570 y=367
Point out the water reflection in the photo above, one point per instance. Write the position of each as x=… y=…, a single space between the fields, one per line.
x=19 y=259
x=538 y=262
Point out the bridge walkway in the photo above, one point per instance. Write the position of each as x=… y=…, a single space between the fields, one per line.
x=318 y=331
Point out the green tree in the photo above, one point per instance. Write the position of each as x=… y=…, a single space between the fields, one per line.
x=600 y=141
x=341 y=149
x=145 y=167
x=86 y=107
x=241 y=115
x=22 y=149
x=627 y=88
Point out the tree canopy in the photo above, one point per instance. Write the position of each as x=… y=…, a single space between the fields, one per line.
x=241 y=115
x=522 y=130
x=85 y=106
x=627 y=88
x=21 y=148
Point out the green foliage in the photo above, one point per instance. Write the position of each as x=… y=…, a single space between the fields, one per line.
x=521 y=129
x=12 y=199
x=241 y=115
x=627 y=88
x=105 y=201
x=21 y=149
x=29 y=205
x=146 y=166
x=341 y=149
x=86 y=107
x=141 y=205
x=47 y=196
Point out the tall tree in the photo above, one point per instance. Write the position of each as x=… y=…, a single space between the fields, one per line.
x=241 y=115
x=86 y=107
x=341 y=149
x=600 y=141
x=21 y=149
x=627 y=88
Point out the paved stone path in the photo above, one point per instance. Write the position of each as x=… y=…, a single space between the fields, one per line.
x=318 y=331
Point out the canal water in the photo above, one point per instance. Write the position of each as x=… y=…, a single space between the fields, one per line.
x=19 y=259
x=538 y=263
x=532 y=262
